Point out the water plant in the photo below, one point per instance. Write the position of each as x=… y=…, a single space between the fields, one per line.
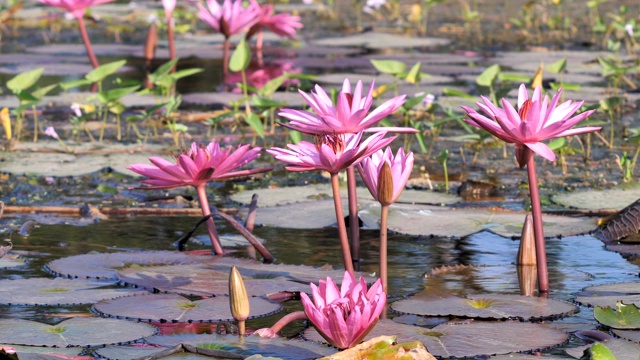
x=536 y=120
x=197 y=167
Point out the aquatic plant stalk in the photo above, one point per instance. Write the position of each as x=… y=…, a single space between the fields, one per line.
x=384 y=224
x=342 y=228
x=225 y=55
x=211 y=226
x=354 y=222
x=272 y=332
x=87 y=42
x=538 y=230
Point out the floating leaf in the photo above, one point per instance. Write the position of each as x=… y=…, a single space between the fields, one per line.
x=484 y=306
x=469 y=339
x=609 y=294
x=621 y=349
x=621 y=317
x=41 y=291
x=72 y=332
x=624 y=223
x=175 y=308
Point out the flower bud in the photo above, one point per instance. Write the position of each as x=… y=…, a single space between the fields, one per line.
x=238 y=298
x=385 y=185
x=5 y=120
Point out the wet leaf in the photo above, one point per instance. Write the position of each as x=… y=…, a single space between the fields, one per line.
x=72 y=332
x=621 y=317
x=381 y=40
x=240 y=57
x=621 y=349
x=47 y=353
x=58 y=291
x=616 y=198
x=609 y=294
x=248 y=345
x=631 y=335
x=470 y=339
x=105 y=266
x=624 y=223
x=483 y=306
x=599 y=351
x=172 y=308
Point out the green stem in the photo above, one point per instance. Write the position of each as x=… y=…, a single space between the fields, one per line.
x=342 y=228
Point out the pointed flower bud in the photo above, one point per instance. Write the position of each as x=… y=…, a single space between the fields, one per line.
x=5 y=120
x=385 y=185
x=238 y=298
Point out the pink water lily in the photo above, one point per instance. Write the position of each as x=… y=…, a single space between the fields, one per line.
x=283 y=24
x=75 y=7
x=344 y=316
x=229 y=18
x=400 y=165
x=331 y=152
x=169 y=6
x=349 y=115
x=196 y=167
x=536 y=120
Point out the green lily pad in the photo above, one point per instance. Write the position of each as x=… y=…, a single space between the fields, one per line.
x=609 y=294
x=58 y=291
x=621 y=317
x=484 y=306
x=469 y=339
x=72 y=332
x=175 y=308
x=296 y=194
x=380 y=40
x=615 y=199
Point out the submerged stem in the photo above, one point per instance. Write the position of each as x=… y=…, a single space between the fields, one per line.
x=538 y=230
x=342 y=227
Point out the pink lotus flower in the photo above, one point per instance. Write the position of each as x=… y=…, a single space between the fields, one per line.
x=535 y=121
x=198 y=166
x=344 y=316
x=75 y=7
x=230 y=18
x=169 y=6
x=350 y=115
x=332 y=153
x=400 y=165
x=284 y=24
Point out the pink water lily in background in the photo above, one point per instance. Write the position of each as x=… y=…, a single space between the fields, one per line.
x=230 y=18
x=536 y=120
x=349 y=115
x=197 y=167
x=346 y=315
x=400 y=165
x=283 y=24
x=75 y=7
x=169 y=6
x=330 y=152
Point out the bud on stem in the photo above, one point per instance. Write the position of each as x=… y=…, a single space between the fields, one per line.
x=385 y=185
x=238 y=299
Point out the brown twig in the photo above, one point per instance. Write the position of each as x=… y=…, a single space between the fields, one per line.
x=268 y=258
x=250 y=223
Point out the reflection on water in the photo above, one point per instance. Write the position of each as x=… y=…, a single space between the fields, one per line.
x=574 y=262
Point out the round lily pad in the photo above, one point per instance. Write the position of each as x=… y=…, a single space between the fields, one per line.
x=632 y=335
x=295 y=194
x=620 y=316
x=616 y=199
x=609 y=294
x=485 y=306
x=11 y=261
x=248 y=345
x=175 y=308
x=142 y=351
x=72 y=332
x=58 y=291
x=621 y=349
x=105 y=266
x=469 y=339
x=46 y=164
x=46 y=353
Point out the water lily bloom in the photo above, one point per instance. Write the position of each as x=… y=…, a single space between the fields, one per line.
x=230 y=18
x=283 y=24
x=169 y=6
x=536 y=120
x=198 y=166
x=349 y=115
x=400 y=166
x=344 y=316
x=75 y=7
x=331 y=152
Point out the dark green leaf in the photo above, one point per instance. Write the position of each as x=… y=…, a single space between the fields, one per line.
x=622 y=317
x=115 y=94
x=72 y=84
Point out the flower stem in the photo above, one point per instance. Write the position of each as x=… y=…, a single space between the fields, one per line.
x=536 y=209
x=342 y=227
x=211 y=226
x=354 y=222
x=172 y=46
x=285 y=320
x=259 y=42
x=225 y=56
x=384 y=221
x=87 y=43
